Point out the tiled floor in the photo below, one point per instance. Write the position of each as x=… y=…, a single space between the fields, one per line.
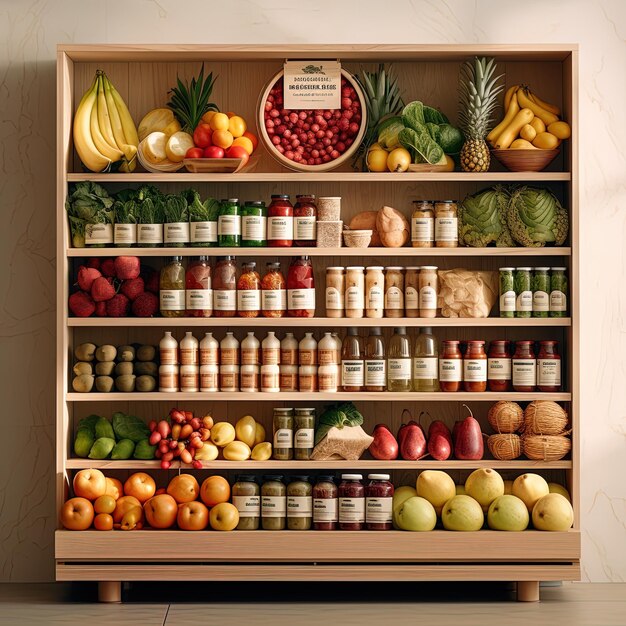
x=279 y=604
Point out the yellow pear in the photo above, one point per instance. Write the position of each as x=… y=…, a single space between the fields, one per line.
x=553 y=512
x=529 y=488
x=436 y=486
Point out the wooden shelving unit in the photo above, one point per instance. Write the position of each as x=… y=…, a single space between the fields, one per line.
x=143 y=75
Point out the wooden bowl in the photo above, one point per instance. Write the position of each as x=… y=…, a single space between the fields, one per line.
x=525 y=160
x=166 y=166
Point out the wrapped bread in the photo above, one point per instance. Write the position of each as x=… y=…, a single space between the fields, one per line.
x=467 y=293
x=349 y=442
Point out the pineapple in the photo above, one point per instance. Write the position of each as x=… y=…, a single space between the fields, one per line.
x=477 y=98
x=190 y=101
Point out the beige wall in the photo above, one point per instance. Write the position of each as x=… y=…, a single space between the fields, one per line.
x=30 y=30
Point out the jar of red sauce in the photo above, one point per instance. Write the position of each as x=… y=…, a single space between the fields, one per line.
x=549 y=367
x=475 y=367
x=499 y=366
x=325 y=503
x=198 y=291
x=378 y=502
x=351 y=494
x=524 y=367
x=300 y=288
x=305 y=221
x=450 y=366
x=280 y=222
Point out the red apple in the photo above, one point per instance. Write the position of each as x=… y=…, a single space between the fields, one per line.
x=238 y=152
x=213 y=152
x=194 y=153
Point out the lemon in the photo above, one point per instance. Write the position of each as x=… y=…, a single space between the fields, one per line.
x=398 y=160
x=219 y=121
x=377 y=160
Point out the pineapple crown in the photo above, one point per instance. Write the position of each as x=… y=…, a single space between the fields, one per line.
x=478 y=90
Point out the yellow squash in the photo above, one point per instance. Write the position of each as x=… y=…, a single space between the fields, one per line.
x=546 y=141
x=560 y=129
x=510 y=133
x=508 y=95
x=528 y=133
x=511 y=112
x=538 y=125
x=524 y=101
x=545 y=105
x=521 y=144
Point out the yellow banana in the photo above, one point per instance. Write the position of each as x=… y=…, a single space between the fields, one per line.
x=552 y=108
x=89 y=154
x=130 y=151
x=100 y=141
x=508 y=95
x=512 y=111
x=130 y=130
x=526 y=103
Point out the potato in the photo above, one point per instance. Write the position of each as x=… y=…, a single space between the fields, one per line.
x=85 y=351
x=146 y=368
x=145 y=383
x=124 y=368
x=125 y=383
x=125 y=353
x=105 y=368
x=104 y=384
x=146 y=353
x=392 y=227
x=366 y=220
x=83 y=383
x=82 y=367
x=106 y=353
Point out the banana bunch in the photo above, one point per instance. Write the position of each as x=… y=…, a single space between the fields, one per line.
x=529 y=123
x=105 y=135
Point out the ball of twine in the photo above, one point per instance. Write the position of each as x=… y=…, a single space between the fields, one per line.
x=544 y=417
x=546 y=447
x=505 y=416
x=505 y=447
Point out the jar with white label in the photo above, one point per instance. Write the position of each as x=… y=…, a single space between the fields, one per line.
x=428 y=288
x=523 y=292
x=172 y=288
x=280 y=222
x=446 y=224
x=499 y=366
x=249 y=378
x=273 y=503
x=168 y=349
x=352 y=362
x=176 y=234
x=307 y=350
x=273 y=292
x=299 y=503
x=149 y=235
x=524 y=367
x=304 y=433
x=270 y=378
x=475 y=367
x=246 y=496
x=374 y=291
x=335 y=291
x=300 y=288
x=351 y=496
x=325 y=509
x=426 y=362
x=198 y=289
x=229 y=350
x=399 y=361
x=305 y=221
x=229 y=224
x=249 y=291
x=225 y=287
x=328 y=377
x=189 y=378
x=209 y=350
x=253 y=225
x=548 y=367
x=394 y=292
x=270 y=349
x=168 y=378
x=229 y=378
x=307 y=378
x=558 y=292
x=189 y=350
x=326 y=350
x=379 y=502
x=288 y=377
x=289 y=350
x=540 y=283
x=209 y=377
x=375 y=361
x=124 y=235
x=283 y=434
x=355 y=291
x=411 y=292
x=450 y=366
x=99 y=235
x=507 y=292
x=422 y=224
x=250 y=349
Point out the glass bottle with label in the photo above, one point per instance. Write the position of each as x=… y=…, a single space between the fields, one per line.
x=172 y=288
x=229 y=224
x=300 y=288
x=168 y=349
x=422 y=224
x=270 y=349
x=198 y=291
x=280 y=222
x=209 y=350
x=335 y=291
x=374 y=291
x=450 y=366
x=411 y=292
x=307 y=350
x=379 y=502
x=499 y=366
x=549 y=367
x=229 y=350
x=189 y=350
x=250 y=349
x=246 y=496
x=289 y=350
x=273 y=292
x=304 y=433
x=375 y=361
x=425 y=361
x=475 y=367
x=541 y=292
x=249 y=291
x=326 y=352
x=253 y=225
x=558 y=292
x=338 y=347
x=355 y=291
x=399 y=361
x=446 y=224
x=523 y=292
x=351 y=496
x=352 y=366
x=507 y=292
x=299 y=503
x=304 y=221
x=394 y=292
x=283 y=434
x=325 y=509
x=225 y=287
x=273 y=503
x=524 y=367
x=429 y=286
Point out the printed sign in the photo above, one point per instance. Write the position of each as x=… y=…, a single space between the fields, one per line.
x=312 y=85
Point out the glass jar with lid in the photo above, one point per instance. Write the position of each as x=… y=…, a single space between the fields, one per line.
x=558 y=292
x=246 y=496
x=198 y=291
x=394 y=291
x=475 y=367
x=541 y=292
x=399 y=361
x=499 y=366
x=300 y=288
x=352 y=374
x=507 y=292
x=375 y=366
x=524 y=367
x=378 y=502
x=229 y=224
x=335 y=290
x=355 y=291
x=446 y=224
x=325 y=509
x=249 y=291
x=172 y=288
x=548 y=367
x=304 y=433
x=351 y=495
x=280 y=222
x=283 y=434
x=423 y=224
x=253 y=225
x=450 y=366
x=374 y=291
x=411 y=292
x=273 y=503
x=299 y=503
x=425 y=362
x=225 y=287
x=429 y=286
x=523 y=292
x=304 y=221
x=273 y=292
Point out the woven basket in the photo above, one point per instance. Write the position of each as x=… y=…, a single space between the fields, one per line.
x=505 y=447
x=544 y=417
x=505 y=416
x=546 y=447
x=525 y=160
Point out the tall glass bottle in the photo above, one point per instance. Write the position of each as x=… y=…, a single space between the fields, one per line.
x=399 y=361
x=425 y=361
x=352 y=366
x=375 y=363
x=172 y=288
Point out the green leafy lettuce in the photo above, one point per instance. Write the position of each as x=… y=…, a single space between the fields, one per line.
x=482 y=219
x=338 y=415
x=87 y=204
x=129 y=427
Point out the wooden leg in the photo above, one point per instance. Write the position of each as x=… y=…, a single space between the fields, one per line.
x=528 y=591
x=110 y=591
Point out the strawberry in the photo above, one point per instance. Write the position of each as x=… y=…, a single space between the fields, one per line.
x=146 y=304
x=81 y=304
x=102 y=289
x=107 y=267
x=86 y=276
x=132 y=288
x=101 y=309
x=127 y=267
x=118 y=306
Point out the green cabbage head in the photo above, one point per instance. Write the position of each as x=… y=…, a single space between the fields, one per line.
x=482 y=219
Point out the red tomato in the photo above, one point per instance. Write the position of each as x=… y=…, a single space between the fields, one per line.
x=252 y=137
x=213 y=152
x=202 y=135
x=194 y=153
x=237 y=152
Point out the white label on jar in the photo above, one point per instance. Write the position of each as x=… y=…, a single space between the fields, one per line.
x=280 y=228
x=450 y=370
x=378 y=510
x=299 y=506
x=541 y=301
x=270 y=356
x=425 y=368
x=202 y=232
x=199 y=299
x=274 y=299
x=474 y=370
x=352 y=374
x=422 y=229
x=249 y=356
x=273 y=506
x=399 y=369
x=253 y=227
x=149 y=233
x=228 y=356
x=169 y=356
x=304 y=438
x=248 y=506
x=188 y=356
x=393 y=298
x=307 y=356
x=375 y=298
x=288 y=356
x=499 y=369
x=288 y=381
x=283 y=438
x=334 y=299
x=225 y=299
x=325 y=510
x=351 y=510
x=300 y=299
x=428 y=298
x=304 y=228
x=99 y=233
x=125 y=233
x=507 y=301
x=354 y=298
x=172 y=299
x=229 y=225
x=326 y=356
x=176 y=232
x=446 y=229
x=524 y=373
x=411 y=300
x=549 y=372
x=558 y=301
x=375 y=373
x=524 y=301
x=229 y=381
x=208 y=356
x=249 y=300
x=208 y=378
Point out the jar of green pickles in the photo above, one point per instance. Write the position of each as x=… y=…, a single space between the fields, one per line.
x=558 y=292
x=229 y=224
x=523 y=292
x=246 y=496
x=541 y=292
x=507 y=292
x=304 y=434
x=283 y=434
x=299 y=503
x=253 y=225
x=273 y=503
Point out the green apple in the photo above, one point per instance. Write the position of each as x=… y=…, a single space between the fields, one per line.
x=508 y=513
x=416 y=514
x=401 y=494
x=553 y=512
x=462 y=513
x=460 y=490
x=529 y=488
x=437 y=487
x=556 y=488
x=484 y=485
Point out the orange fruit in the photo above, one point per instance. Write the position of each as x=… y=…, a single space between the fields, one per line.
x=219 y=121
x=103 y=521
x=253 y=138
x=206 y=118
x=245 y=143
x=114 y=487
x=104 y=504
x=222 y=139
x=230 y=114
x=237 y=126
